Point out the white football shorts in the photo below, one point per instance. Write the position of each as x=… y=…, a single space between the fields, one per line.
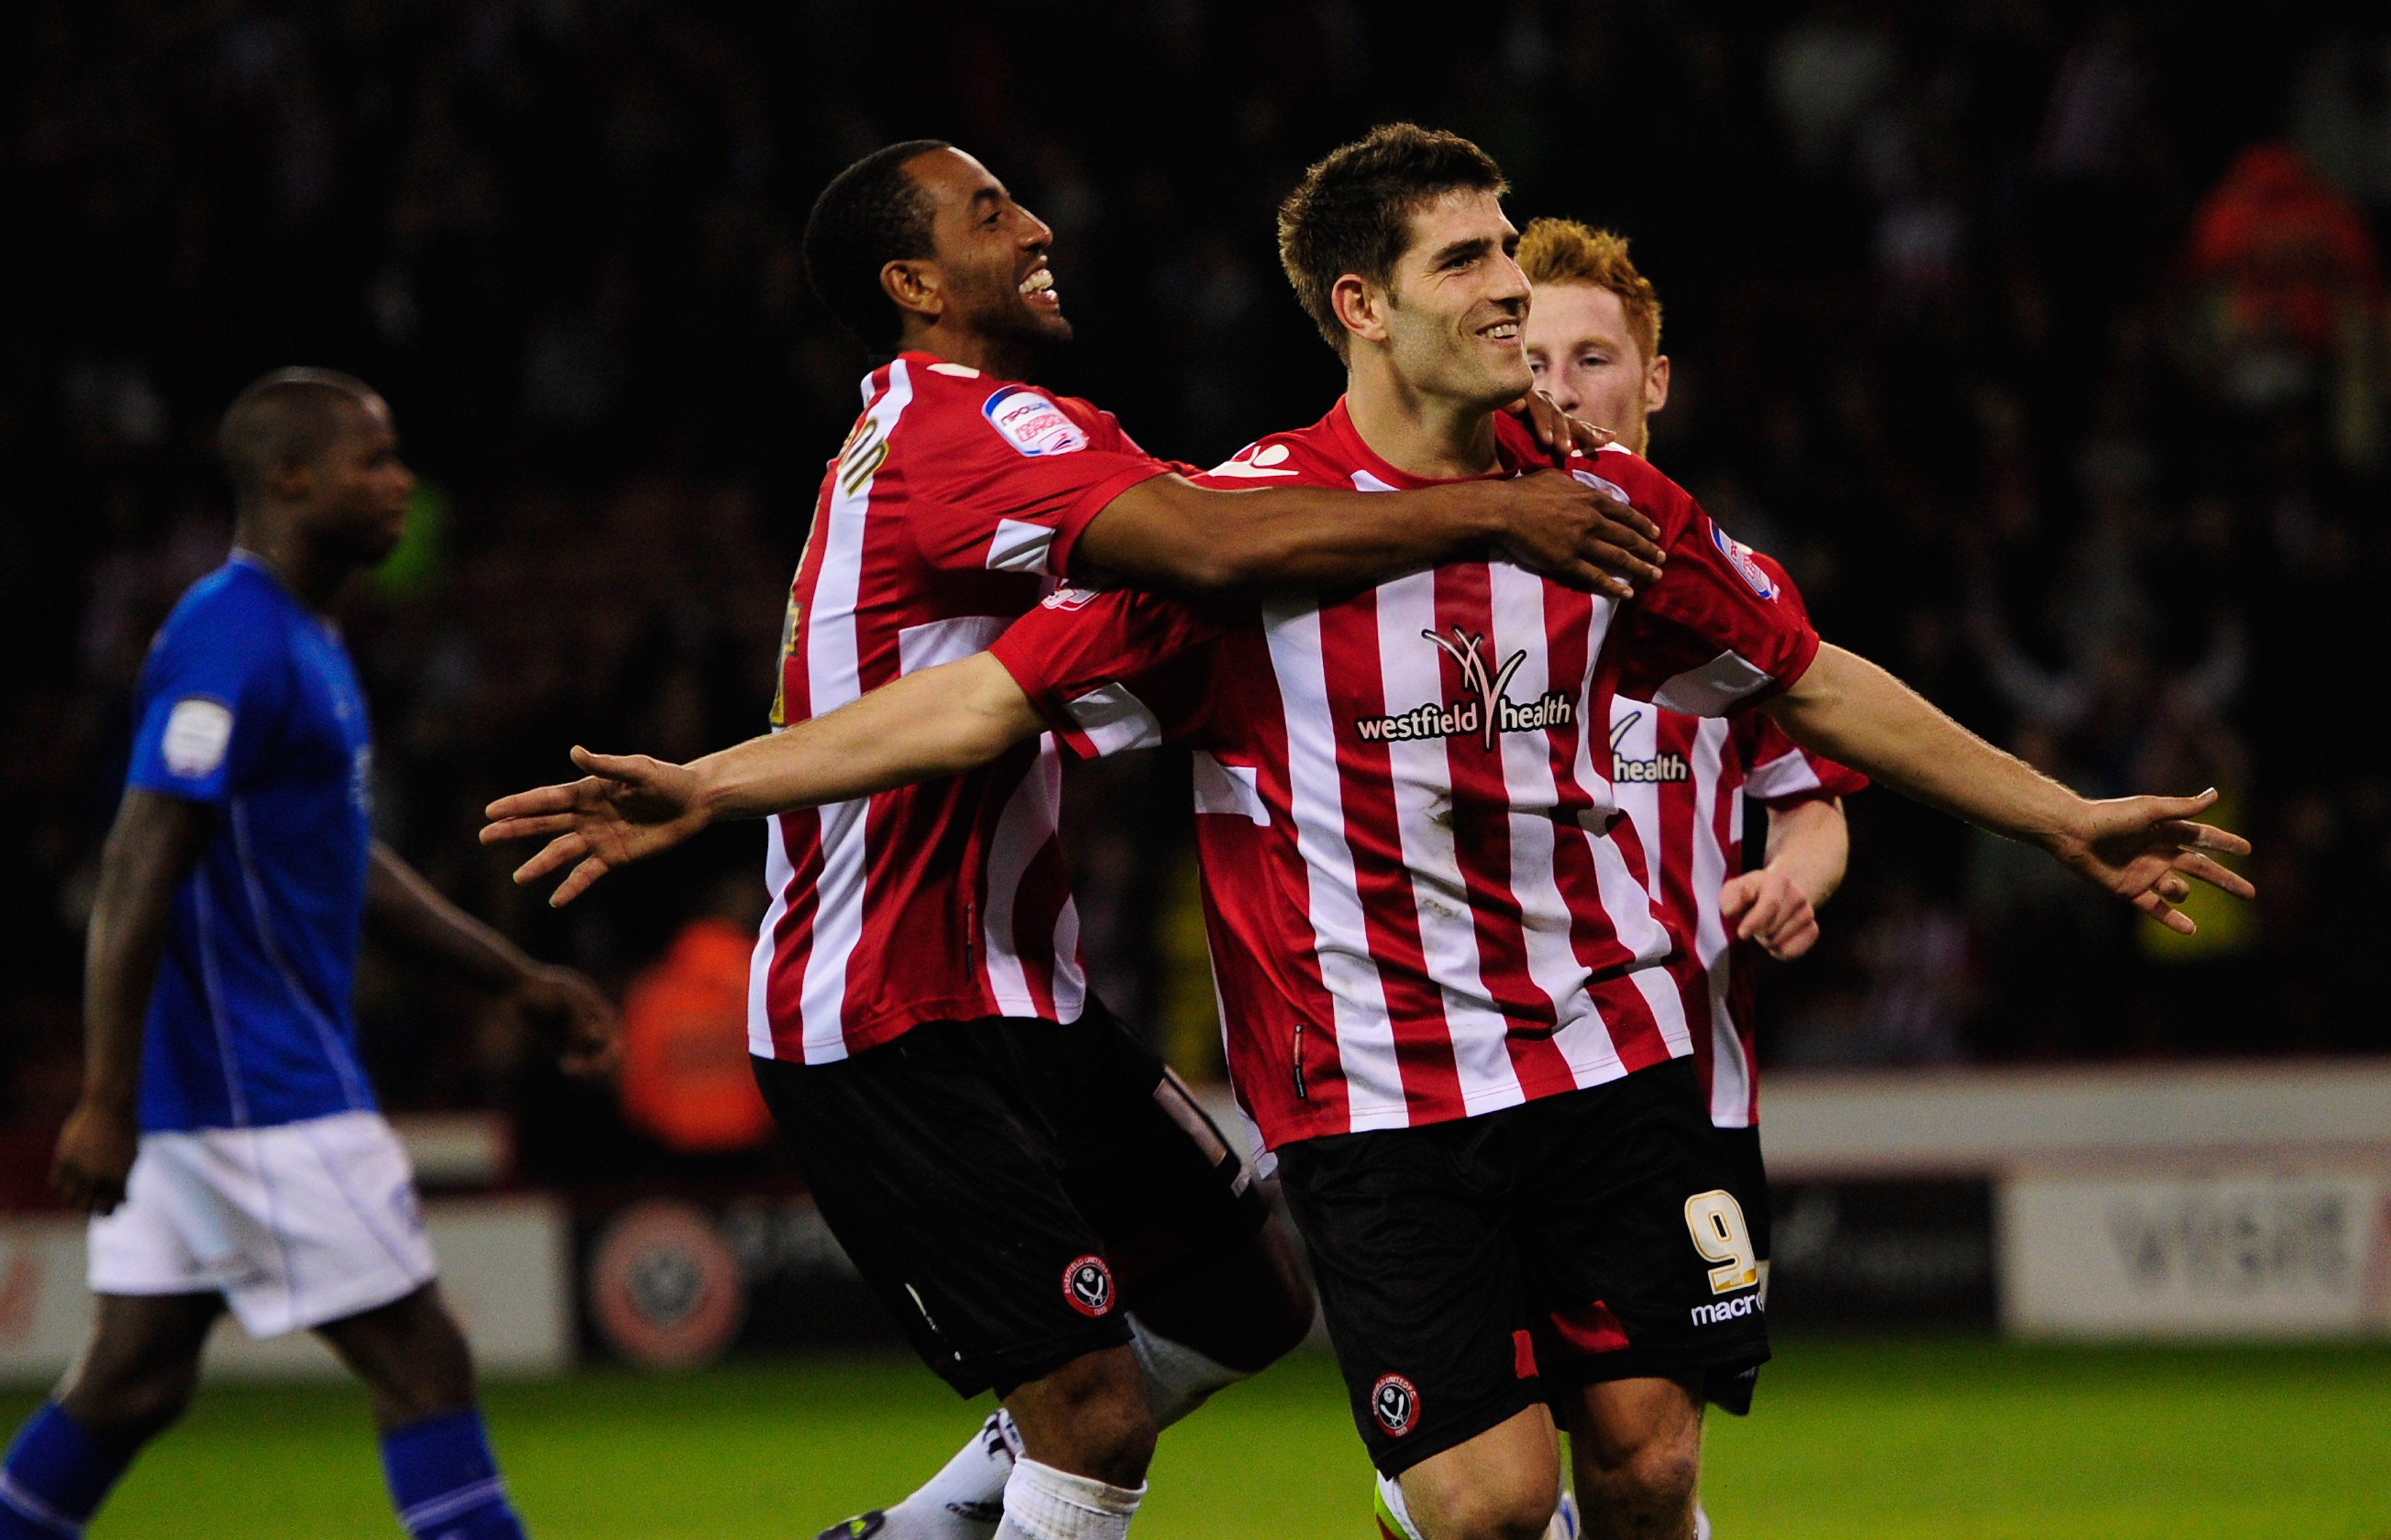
x=295 y=1225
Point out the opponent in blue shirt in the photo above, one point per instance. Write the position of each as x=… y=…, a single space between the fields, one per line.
x=227 y=1143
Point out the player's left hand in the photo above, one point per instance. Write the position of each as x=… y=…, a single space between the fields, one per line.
x=579 y=1012
x=1770 y=907
x=2147 y=850
x=1556 y=428
x=95 y=1156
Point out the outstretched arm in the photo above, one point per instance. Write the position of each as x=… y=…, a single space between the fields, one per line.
x=155 y=842
x=939 y=722
x=1777 y=904
x=2145 y=850
x=405 y=907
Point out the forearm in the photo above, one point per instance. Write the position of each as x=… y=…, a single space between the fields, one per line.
x=1850 y=709
x=402 y=905
x=1170 y=534
x=938 y=722
x=129 y=918
x=1810 y=844
x=155 y=842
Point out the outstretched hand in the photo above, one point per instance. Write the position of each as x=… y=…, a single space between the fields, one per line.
x=630 y=806
x=2147 y=850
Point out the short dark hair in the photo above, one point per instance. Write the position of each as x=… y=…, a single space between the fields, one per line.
x=1353 y=212
x=286 y=417
x=871 y=214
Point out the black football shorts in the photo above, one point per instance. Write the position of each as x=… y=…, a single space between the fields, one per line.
x=1468 y=1268
x=1008 y=1187
x=1730 y=1390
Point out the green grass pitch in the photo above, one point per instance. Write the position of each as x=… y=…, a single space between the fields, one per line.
x=1967 y=1440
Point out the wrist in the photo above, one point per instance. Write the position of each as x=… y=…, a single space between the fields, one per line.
x=109 y=1097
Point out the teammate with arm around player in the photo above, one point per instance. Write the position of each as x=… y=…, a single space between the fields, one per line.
x=1043 y=1207
x=1449 y=1006
x=226 y=1142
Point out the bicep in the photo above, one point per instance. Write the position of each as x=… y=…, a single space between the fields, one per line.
x=155 y=842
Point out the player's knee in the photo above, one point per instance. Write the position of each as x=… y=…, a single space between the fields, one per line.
x=1489 y=1509
x=1656 y=1474
x=135 y=1402
x=1091 y=1418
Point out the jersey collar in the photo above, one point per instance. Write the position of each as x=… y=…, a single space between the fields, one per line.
x=1340 y=423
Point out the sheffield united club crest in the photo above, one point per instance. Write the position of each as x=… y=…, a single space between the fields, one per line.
x=1395 y=1402
x=1087 y=1286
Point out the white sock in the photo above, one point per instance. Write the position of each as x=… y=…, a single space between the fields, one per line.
x=1701 y=1519
x=966 y=1499
x=1041 y=1503
x=1177 y=1378
x=1391 y=1504
x=1565 y=1521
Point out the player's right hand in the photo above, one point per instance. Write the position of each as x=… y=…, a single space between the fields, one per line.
x=1577 y=535
x=95 y=1156
x=628 y=807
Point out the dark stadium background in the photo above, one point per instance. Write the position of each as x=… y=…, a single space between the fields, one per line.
x=1947 y=339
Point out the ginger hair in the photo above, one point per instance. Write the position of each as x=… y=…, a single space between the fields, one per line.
x=1563 y=251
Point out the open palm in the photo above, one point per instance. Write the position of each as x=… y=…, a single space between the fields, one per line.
x=2147 y=850
x=628 y=807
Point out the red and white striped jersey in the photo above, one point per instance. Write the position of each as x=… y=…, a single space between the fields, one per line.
x=1682 y=780
x=1422 y=904
x=952 y=506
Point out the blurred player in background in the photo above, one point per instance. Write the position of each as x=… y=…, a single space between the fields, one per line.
x=1593 y=342
x=227 y=1141
x=1450 y=1008
x=1040 y=1204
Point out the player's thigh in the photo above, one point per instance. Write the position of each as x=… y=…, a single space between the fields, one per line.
x=1507 y=1480
x=1145 y=1163
x=1639 y=1259
x=933 y=1162
x=1411 y=1240
x=1650 y=1428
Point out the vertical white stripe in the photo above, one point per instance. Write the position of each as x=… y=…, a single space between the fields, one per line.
x=1635 y=735
x=1730 y=1077
x=1533 y=792
x=777 y=874
x=1627 y=905
x=1366 y=1038
x=833 y=677
x=1412 y=670
x=1024 y=828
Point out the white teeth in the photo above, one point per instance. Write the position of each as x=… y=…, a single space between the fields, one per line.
x=1504 y=331
x=1038 y=282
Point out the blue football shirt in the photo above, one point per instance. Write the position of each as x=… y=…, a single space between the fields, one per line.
x=248 y=703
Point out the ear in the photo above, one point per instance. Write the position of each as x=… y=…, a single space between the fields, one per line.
x=1360 y=306
x=917 y=288
x=1656 y=384
x=293 y=481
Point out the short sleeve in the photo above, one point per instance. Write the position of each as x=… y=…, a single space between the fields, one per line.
x=1721 y=630
x=1115 y=671
x=210 y=692
x=1009 y=476
x=1782 y=773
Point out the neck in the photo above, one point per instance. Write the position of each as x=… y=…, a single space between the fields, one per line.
x=1007 y=358
x=1433 y=437
x=312 y=572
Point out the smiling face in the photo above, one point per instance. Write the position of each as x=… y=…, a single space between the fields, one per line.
x=1451 y=319
x=1585 y=356
x=990 y=278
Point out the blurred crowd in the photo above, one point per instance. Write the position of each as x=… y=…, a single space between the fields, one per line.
x=2046 y=346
